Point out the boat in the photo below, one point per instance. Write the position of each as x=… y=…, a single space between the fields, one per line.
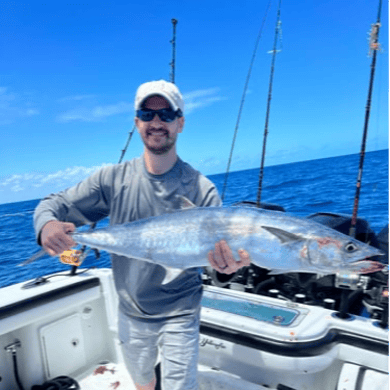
x=64 y=326
x=258 y=331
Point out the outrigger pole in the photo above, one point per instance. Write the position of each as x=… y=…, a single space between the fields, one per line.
x=174 y=22
x=274 y=52
x=374 y=47
x=173 y=41
x=243 y=100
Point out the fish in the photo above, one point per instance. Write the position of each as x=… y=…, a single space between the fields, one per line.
x=275 y=240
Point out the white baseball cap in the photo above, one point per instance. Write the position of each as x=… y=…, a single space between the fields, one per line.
x=163 y=88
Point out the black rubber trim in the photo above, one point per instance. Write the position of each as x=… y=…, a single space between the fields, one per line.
x=295 y=348
x=50 y=296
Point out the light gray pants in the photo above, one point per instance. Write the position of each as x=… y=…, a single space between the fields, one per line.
x=178 y=340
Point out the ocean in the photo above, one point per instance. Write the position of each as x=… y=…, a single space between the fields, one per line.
x=302 y=188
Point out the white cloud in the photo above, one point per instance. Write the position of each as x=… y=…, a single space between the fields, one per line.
x=200 y=93
x=95 y=114
x=193 y=101
x=5 y=98
x=10 y=180
x=14 y=106
x=113 y=109
x=201 y=98
x=17 y=188
x=77 y=98
x=60 y=179
x=30 y=112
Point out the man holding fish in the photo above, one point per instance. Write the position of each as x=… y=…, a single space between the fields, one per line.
x=152 y=313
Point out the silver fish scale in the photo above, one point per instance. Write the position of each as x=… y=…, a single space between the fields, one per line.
x=275 y=240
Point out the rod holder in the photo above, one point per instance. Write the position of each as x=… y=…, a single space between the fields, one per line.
x=11 y=348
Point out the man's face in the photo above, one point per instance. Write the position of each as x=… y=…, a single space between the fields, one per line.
x=159 y=137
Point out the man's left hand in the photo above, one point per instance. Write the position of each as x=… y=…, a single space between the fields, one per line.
x=222 y=259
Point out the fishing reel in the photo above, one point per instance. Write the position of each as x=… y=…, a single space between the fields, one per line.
x=73 y=257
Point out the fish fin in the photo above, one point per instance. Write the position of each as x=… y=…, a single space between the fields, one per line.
x=277 y=271
x=184 y=203
x=283 y=236
x=34 y=257
x=171 y=274
x=180 y=202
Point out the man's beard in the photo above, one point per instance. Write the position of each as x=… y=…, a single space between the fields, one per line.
x=163 y=149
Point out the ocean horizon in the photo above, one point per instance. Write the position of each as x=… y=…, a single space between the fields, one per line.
x=213 y=175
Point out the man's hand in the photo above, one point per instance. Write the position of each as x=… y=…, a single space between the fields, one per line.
x=55 y=238
x=223 y=261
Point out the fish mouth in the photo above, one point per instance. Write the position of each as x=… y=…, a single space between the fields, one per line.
x=367 y=266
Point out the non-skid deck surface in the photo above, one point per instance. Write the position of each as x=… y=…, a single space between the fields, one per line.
x=108 y=377
x=116 y=377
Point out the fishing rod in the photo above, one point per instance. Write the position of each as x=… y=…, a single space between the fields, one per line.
x=173 y=42
x=123 y=151
x=127 y=144
x=172 y=76
x=373 y=48
x=274 y=52
x=243 y=100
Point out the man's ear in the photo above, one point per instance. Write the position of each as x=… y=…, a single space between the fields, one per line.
x=181 y=122
x=136 y=122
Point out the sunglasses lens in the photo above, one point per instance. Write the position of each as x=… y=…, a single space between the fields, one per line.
x=166 y=115
x=146 y=116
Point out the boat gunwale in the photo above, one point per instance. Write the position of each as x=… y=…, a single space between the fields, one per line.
x=41 y=299
x=294 y=348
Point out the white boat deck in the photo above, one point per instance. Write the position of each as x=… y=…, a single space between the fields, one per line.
x=112 y=376
x=67 y=327
x=108 y=376
x=115 y=376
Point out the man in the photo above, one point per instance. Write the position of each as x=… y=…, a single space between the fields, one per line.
x=150 y=314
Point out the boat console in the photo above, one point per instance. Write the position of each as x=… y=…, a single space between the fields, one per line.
x=290 y=344
x=67 y=327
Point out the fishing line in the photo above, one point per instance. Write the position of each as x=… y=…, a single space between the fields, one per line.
x=243 y=99
x=274 y=51
x=373 y=47
x=379 y=101
x=173 y=42
x=172 y=77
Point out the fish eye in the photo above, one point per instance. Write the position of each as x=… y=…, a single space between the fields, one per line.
x=350 y=247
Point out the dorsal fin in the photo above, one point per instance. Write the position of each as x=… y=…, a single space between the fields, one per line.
x=283 y=235
x=171 y=274
x=184 y=203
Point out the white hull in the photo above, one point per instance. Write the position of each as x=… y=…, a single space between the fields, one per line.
x=68 y=327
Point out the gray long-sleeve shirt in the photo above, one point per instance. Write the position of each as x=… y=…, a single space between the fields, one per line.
x=127 y=192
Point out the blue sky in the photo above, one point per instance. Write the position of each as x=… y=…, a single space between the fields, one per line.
x=69 y=72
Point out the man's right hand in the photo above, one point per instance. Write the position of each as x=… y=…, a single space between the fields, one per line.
x=55 y=238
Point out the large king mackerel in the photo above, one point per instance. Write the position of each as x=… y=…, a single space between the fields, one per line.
x=274 y=240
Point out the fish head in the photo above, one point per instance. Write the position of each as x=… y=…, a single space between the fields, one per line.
x=322 y=250
x=339 y=252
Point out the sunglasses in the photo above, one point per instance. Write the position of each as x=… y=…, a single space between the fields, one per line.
x=166 y=114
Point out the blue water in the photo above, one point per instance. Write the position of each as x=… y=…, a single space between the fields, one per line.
x=304 y=188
